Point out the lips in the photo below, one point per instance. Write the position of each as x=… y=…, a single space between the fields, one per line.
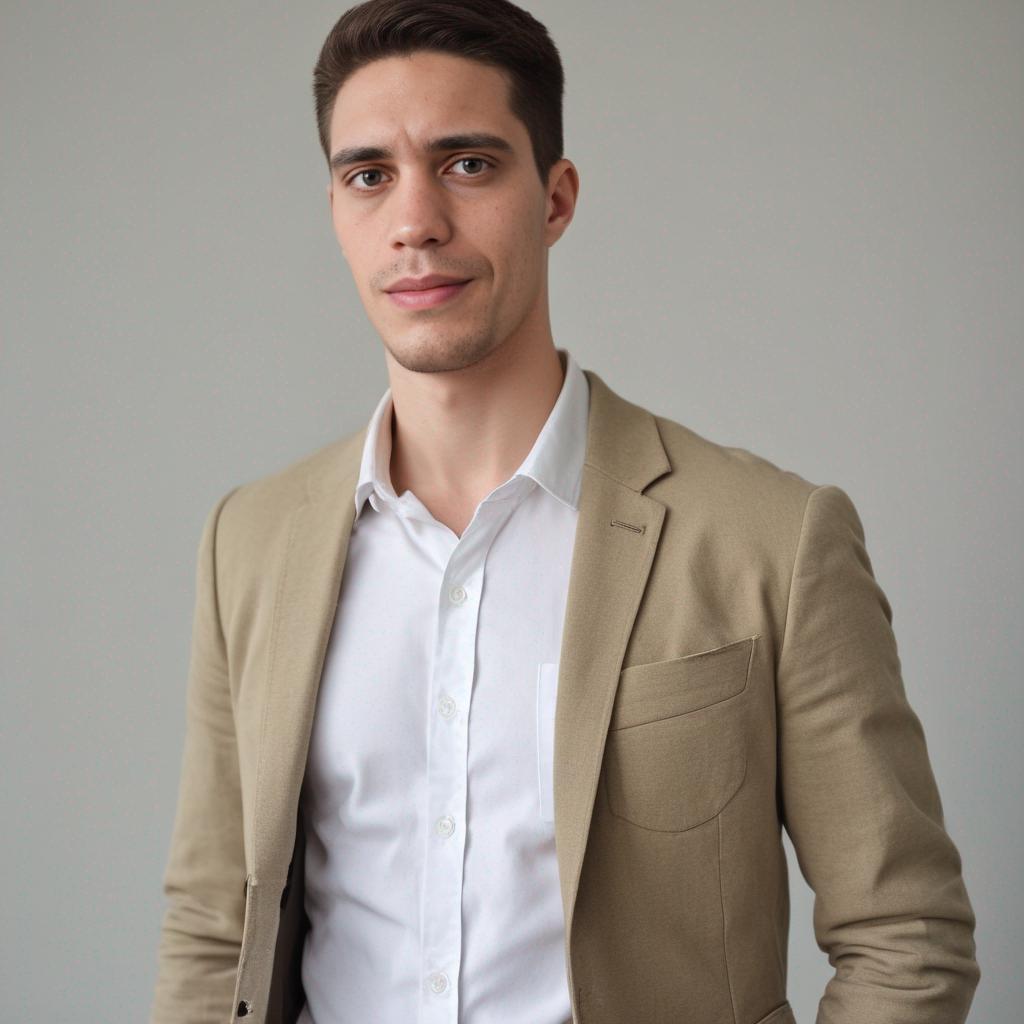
x=414 y=284
x=428 y=297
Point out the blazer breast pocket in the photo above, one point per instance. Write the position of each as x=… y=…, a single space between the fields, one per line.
x=676 y=749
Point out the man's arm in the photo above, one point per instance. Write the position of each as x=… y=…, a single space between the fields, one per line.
x=859 y=799
x=204 y=881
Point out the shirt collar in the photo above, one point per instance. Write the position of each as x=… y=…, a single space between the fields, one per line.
x=555 y=461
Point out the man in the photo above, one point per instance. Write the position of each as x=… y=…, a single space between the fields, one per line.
x=497 y=706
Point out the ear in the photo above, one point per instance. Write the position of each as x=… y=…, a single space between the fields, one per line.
x=564 y=187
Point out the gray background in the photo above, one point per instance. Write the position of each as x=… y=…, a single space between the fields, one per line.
x=799 y=231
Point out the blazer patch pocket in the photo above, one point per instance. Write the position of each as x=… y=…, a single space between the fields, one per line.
x=676 y=751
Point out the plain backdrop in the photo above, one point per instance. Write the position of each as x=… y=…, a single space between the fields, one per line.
x=800 y=230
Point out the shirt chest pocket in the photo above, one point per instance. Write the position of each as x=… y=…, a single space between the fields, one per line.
x=676 y=751
x=547 y=697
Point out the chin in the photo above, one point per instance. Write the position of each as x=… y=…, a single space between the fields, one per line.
x=441 y=351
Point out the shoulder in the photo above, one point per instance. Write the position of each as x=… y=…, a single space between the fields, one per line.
x=254 y=514
x=727 y=479
x=745 y=513
x=733 y=500
x=746 y=499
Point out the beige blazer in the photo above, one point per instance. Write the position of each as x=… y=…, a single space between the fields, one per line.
x=727 y=668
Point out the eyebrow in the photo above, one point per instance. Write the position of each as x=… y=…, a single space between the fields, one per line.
x=466 y=140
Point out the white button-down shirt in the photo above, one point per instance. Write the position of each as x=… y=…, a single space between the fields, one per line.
x=431 y=880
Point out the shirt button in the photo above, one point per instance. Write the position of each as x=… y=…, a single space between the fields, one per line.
x=445 y=826
x=457 y=594
x=438 y=981
x=446 y=706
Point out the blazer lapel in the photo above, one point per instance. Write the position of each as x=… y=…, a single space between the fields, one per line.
x=616 y=537
x=305 y=605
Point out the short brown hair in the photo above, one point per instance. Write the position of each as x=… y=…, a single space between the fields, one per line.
x=494 y=32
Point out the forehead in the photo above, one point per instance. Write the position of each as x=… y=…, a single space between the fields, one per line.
x=419 y=96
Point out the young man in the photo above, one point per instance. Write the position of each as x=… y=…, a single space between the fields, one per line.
x=496 y=707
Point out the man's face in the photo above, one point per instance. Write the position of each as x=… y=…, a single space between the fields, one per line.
x=474 y=211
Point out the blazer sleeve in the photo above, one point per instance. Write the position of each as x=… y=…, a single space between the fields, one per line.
x=858 y=796
x=205 y=876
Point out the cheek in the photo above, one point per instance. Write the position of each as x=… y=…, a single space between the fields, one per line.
x=352 y=243
x=517 y=244
x=340 y=234
x=527 y=264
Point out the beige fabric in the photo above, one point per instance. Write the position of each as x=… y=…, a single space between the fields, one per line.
x=727 y=664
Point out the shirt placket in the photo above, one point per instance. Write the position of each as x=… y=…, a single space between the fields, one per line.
x=451 y=688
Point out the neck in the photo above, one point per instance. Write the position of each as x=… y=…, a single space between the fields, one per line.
x=456 y=436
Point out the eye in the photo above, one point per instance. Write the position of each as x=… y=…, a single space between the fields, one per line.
x=474 y=160
x=359 y=174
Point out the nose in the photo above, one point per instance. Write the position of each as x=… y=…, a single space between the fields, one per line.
x=420 y=211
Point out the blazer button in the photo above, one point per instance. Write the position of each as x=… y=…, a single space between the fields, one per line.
x=244 y=1008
